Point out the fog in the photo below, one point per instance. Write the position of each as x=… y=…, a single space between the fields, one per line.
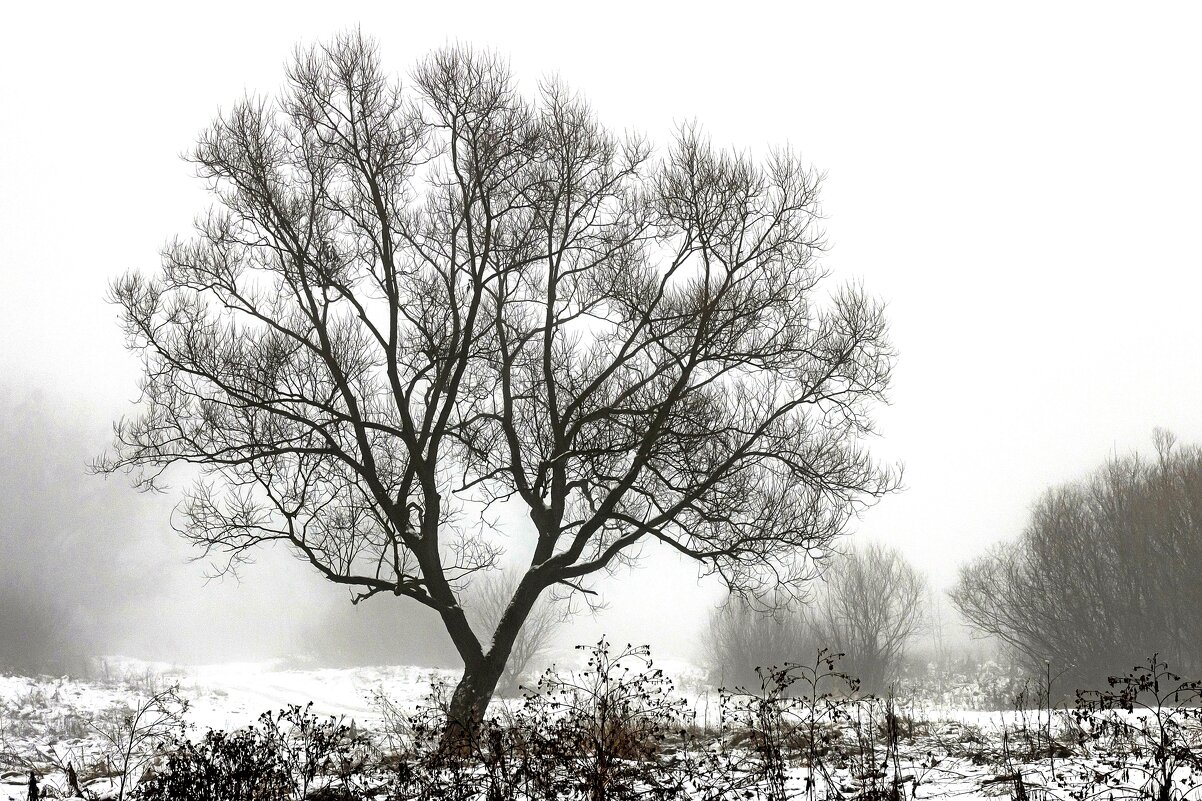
x=1018 y=184
x=90 y=567
x=69 y=576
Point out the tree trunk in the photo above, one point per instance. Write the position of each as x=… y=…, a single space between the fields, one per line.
x=470 y=700
x=481 y=674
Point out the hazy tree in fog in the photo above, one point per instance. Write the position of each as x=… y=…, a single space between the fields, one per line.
x=740 y=638
x=43 y=623
x=488 y=598
x=1105 y=573
x=65 y=591
x=870 y=606
x=870 y=609
x=411 y=301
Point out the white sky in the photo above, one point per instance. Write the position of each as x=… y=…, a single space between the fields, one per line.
x=1020 y=183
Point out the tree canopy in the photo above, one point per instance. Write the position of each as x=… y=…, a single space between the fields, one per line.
x=413 y=300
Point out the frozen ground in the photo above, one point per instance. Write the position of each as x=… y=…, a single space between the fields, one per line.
x=953 y=753
x=51 y=714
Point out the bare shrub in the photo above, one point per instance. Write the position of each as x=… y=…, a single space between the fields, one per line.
x=598 y=734
x=291 y=755
x=607 y=724
x=870 y=609
x=740 y=639
x=490 y=597
x=130 y=737
x=1105 y=571
x=1161 y=737
x=798 y=709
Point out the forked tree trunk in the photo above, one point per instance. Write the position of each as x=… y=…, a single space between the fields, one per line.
x=481 y=675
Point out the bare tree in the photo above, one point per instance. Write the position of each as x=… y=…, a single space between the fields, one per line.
x=488 y=598
x=1105 y=573
x=412 y=301
x=871 y=608
x=740 y=638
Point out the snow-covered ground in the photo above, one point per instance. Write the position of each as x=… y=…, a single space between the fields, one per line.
x=51 y=715
x=954 y=753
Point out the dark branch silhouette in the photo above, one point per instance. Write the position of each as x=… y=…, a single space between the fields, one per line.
x=412 y=302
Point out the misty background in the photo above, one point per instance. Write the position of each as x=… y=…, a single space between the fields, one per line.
x=1019 y=185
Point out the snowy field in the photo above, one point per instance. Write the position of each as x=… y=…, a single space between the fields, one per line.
x=48 y=723
x=50 y=715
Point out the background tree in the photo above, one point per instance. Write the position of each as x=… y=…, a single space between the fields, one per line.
x=410 y=302
x=1105 y=573
x=76 y=547
x=488 y=597
x=870 y=609
x=740 y=638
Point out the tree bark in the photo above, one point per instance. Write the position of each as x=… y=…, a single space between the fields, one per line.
x=470 y=700
x=482 y=671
